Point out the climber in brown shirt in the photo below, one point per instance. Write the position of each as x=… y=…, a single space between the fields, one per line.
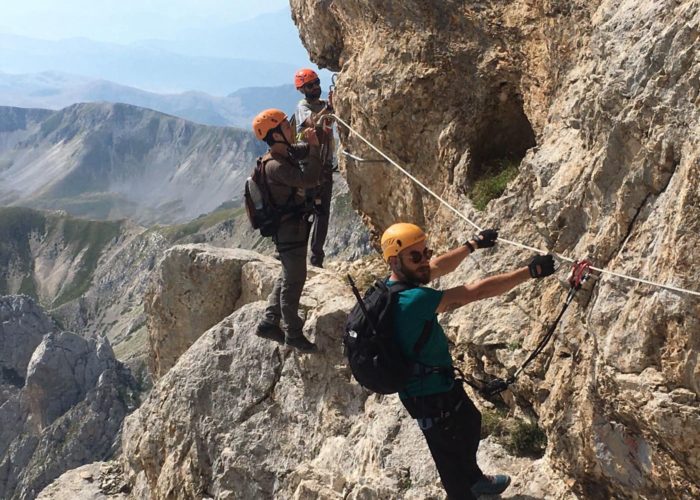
x=287 y=183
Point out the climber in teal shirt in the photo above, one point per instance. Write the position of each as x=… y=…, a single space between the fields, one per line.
x=449 y=420
x=413 y=308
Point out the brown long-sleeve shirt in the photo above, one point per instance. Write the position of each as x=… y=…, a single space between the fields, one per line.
x=283 y=175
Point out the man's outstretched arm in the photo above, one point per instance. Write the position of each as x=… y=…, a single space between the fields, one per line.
x=539 y=267
x=449 y=261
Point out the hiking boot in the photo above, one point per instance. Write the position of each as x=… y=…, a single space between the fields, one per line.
x=491 y=485
x=269 y=331
x=316 y=261
x=301 y=344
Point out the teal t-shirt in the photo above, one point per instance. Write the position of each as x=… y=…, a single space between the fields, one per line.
x=413 y=308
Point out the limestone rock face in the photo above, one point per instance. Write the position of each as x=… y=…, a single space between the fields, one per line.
x=22 y=326
x=238 y=417
x=68 y=409
x=194 y=288
x=90 y=275
x=599 y=102
x=93 y=481
x=62 y=370
x=113 y=305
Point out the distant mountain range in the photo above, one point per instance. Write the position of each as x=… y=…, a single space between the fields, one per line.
x=267 y=37
x=140 y=66
x=112 y=161
x=54 y=90
x=261 y=52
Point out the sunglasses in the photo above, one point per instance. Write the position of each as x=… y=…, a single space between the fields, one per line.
x=312 y=84
x=416 y=256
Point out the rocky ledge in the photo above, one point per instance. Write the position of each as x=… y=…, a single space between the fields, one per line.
x=240 y=417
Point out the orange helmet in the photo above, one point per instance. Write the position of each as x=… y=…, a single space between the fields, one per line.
x=266 y=121
x=304 y=76
x=399 y=236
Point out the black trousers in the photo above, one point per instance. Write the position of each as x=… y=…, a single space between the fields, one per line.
x=321 y=219
x=451 y=425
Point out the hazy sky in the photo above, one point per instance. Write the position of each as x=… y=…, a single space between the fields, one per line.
x=124 y=21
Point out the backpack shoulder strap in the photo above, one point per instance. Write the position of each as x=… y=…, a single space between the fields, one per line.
x=262 y=160
x=293 y=123
x=424 y=336
x=400 y=286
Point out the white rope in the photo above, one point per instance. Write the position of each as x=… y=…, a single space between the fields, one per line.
x=503 y=240
x=358 y=159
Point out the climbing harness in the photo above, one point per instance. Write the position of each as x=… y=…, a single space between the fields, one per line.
x=503 y=240
x=580 y=273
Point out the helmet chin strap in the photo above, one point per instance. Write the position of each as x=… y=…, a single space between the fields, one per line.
x=284 y=139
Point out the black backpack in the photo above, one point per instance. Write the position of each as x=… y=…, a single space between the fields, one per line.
x=375 y=359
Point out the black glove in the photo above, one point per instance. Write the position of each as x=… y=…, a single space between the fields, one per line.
x=486 y=238
x=545 y=264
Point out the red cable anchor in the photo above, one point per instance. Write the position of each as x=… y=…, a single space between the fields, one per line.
x=580 y=272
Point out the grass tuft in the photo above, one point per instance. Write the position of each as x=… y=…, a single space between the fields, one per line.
x=492 y=182
x=519 y=437
x=526 y=439
x=493 y=422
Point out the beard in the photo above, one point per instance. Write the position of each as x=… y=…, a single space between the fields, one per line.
x=420 y=275
x=313 y=95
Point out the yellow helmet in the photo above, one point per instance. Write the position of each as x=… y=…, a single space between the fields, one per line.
x=266 y=121
x=399 y=236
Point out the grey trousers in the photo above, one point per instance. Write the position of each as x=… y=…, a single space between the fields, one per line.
x=320 y=227
x=283 y=303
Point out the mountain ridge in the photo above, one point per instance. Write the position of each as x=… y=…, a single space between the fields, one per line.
x=150 y=68
x=116 y=160
x=52 y=90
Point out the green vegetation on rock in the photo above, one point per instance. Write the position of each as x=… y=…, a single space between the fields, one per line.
x=16 y=227
x=519 y=437
x=89 y=238
x=101 y=206
x=492 y=181
x=526 y=440
x=83 y=239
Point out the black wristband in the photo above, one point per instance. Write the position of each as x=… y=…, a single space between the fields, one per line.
x=470 y=247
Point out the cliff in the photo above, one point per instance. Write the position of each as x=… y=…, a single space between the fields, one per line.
x=596 y=108
x=597 y=104
x=62 y=399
